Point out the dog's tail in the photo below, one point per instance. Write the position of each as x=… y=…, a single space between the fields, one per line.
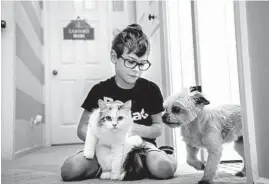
x=135 y=164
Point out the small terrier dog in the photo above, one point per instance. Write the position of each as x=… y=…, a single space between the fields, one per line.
x=204 y=127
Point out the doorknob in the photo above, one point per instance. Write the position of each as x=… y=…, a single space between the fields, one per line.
x=151 y=17
x=54 y=72
x=3 y=24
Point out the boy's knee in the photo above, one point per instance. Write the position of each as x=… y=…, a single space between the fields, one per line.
x=163 y=167
x=70 y=170
x=78 y=168
x=164 y=170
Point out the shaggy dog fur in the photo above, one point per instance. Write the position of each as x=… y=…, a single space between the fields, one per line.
x=203 y=127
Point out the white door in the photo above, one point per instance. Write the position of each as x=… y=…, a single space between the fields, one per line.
x=78 y=64
x=148 y=16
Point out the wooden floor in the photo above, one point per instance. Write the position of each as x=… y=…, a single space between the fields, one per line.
x=43 y=167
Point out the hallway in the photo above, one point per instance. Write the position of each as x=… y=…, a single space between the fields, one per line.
x=43 y=166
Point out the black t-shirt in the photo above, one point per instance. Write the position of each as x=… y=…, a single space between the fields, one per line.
x=145 y=95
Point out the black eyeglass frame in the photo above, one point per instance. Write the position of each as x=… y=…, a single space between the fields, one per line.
x=139 y=64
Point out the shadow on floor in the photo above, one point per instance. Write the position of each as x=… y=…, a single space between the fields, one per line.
x=43 y=167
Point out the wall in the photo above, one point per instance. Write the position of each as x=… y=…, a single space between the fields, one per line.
x=29 y=75
x=7 y=75
x=258 y=38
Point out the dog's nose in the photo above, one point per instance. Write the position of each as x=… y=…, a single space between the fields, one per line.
x=164 y=117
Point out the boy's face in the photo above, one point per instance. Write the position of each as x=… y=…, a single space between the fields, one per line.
x=122 y=65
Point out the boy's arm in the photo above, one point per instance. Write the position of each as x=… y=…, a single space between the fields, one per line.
x=83 y=125
x=151 y=132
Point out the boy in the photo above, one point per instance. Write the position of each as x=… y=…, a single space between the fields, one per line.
x=129 y=53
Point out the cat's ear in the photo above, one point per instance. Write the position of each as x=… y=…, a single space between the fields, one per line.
x=127 y=105
x=101 y=104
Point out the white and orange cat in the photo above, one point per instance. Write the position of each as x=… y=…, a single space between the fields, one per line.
x=108 y=137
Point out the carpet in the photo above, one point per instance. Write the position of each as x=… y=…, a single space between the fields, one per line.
x=24 y=176
x=43 y=167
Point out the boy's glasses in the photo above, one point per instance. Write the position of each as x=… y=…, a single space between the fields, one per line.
x=132 y=64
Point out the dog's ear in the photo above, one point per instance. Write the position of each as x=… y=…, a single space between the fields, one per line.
x=196 y=88
x=200 y=99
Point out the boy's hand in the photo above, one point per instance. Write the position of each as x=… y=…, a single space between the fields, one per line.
x=151 y=132
x=134 y=140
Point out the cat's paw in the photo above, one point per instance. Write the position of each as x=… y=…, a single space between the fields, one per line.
x=135 y=140
x=115 y=176
x=105 y=175
x=88 y=154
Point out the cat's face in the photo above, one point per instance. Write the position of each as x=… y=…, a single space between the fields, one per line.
x=115 y=116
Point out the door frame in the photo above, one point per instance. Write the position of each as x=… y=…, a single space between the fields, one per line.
x=166 y=69
x=244 y=74
x=46 y=27
x=47 y=137
x=179 y=53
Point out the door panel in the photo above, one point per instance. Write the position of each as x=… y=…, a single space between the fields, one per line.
x=80 y=64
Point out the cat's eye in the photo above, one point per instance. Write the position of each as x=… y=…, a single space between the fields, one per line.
x=120 y=118
x=108 y=118
x=175 y=109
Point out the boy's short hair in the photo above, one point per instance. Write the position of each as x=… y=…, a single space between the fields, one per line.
x=132 y=38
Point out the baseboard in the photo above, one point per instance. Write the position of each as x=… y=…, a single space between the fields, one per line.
x=26 y=151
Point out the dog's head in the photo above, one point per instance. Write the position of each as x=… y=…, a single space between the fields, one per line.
x=183 y=108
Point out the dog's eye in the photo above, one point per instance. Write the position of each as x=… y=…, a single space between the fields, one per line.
x=175 y=109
